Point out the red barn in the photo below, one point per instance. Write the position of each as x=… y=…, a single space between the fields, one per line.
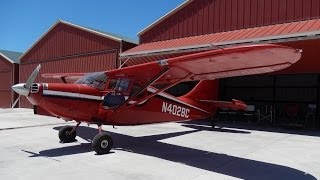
x=9 y=75
x=68 y=47
x=292 y=95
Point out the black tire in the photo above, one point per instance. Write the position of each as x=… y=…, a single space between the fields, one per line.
x=102 y=143
x=65 y=136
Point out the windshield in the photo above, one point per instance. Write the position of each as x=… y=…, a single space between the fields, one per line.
x=97 y=80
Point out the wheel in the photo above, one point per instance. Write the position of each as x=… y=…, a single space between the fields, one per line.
x=102 y=143
x=65 y=136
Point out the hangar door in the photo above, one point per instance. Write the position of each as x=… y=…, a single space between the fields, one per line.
x=5 y=89
x=293 y=97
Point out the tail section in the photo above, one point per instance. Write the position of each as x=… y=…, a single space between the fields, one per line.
x=204 y=90
x=207 y=92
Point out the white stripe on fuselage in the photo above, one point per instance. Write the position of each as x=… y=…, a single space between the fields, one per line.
x=72 y=95
x=165 y=95
x=78 y=95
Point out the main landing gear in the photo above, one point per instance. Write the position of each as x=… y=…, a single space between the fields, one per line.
x=101 y=143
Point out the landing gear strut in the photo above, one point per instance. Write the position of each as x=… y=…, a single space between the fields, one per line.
x=102 y=142
x=68 y=134
x=212 y=122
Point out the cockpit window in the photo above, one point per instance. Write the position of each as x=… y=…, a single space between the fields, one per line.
x=97 y=80
x=119 y=84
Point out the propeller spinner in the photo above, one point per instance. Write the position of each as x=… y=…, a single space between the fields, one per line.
x=24 y=88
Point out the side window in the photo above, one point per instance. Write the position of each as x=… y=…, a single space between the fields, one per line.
x=124 y=84
x=120 y=84
x=112 y=83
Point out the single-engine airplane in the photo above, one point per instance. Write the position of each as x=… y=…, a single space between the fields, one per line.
x=135 y=95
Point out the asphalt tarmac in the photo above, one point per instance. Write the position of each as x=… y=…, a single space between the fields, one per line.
x=30 y=149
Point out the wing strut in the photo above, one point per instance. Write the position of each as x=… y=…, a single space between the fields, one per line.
x=154 y=79
x=163 y=89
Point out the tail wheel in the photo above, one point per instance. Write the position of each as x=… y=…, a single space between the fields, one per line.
x=102 y=143
x=67 y=134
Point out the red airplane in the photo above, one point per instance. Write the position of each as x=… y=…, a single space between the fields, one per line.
x=135 y=95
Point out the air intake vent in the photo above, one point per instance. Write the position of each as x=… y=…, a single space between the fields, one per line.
x=34 y=88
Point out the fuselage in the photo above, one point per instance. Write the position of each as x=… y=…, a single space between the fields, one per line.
x=84 y=103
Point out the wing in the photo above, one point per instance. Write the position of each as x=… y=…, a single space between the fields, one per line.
x=65 y=77
x=214 y=64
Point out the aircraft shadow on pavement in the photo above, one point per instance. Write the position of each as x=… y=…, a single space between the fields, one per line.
x=151 y=146
x=255 y=127
x=216 y=129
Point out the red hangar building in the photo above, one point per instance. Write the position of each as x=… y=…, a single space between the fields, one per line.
x=289 y=97
x=9 y=75
x=71 y=48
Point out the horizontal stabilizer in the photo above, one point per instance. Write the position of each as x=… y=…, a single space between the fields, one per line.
x=233 y=105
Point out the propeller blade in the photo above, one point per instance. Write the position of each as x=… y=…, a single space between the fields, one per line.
x=15 y=102
x=32 y=77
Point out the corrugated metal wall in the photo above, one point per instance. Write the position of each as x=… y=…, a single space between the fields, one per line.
x=64 y=40
x=16 y=74
x=66 y=49
x=126 y=46
x=210 y=16
x=5 y=83
x=309 y=62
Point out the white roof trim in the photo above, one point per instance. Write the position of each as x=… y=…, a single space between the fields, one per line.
x=165 y=16
x=267 y=39
x=70 y=24
x=90 y=30
x=6 y=57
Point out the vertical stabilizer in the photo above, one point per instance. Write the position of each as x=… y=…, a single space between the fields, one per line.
x=204 y=90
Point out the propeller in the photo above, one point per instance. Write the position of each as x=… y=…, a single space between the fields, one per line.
x=32 y=77
x=15 y=102
x=24 y=88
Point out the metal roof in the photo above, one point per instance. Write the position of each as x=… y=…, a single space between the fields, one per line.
x=97 y=32
x=124 y=38
x=309 y=29
x=11 y=56
x=103 y=33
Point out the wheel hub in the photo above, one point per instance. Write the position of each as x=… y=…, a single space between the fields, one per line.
x=68 y=134
x=104 y=144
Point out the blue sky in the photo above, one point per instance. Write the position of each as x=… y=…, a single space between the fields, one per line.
x=23 y=22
